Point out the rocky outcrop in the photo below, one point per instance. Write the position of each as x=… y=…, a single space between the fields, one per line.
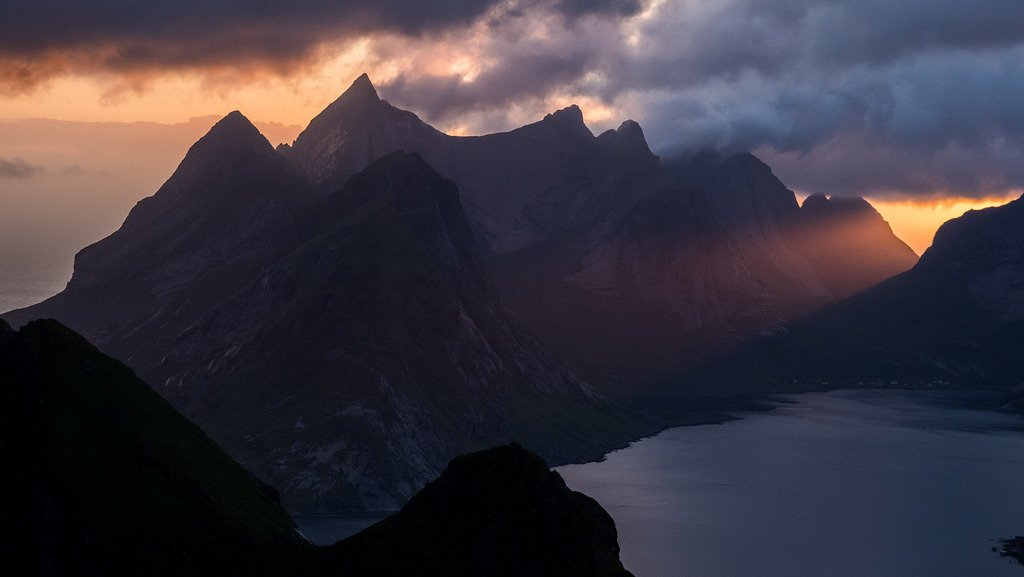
x=342 y=349
x=499 y=512
x=1013 y=548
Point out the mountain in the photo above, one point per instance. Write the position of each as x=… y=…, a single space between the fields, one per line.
x=351 y=133
x=849 y=244
x=954 y=318
x=343 y=349
x=547 y=179
x=630 y=266
x=105 y=478
x=499 y=512
x=110 y=480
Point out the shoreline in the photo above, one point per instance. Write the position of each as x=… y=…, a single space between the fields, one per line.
x=1012 y=548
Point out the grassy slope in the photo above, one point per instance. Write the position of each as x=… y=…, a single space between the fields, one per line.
x=129 y=481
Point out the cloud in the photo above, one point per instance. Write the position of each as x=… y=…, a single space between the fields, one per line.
x=934 y=84
x=18 y=168
x=904 y=96
x=134 y=38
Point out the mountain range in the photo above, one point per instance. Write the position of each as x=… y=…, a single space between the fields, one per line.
x=343 y=348
x=955 y=319
x=347 y=313
x=630 y=266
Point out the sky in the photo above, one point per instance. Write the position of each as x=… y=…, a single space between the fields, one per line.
x=913 y=104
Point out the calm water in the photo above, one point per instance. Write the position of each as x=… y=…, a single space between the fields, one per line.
x=329 y=529
x=23 y=284
x=845 y=484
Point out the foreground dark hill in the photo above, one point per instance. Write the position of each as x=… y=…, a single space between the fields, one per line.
x=343 y=349
x=955 y=318
x=630 y=266
x=104 y=477
x=500 y=512
x=107 y=479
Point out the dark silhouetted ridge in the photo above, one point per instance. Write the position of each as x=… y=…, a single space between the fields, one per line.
x=107 y=479
x=499 y=512
x=570 y=117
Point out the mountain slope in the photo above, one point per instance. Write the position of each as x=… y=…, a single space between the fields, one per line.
x=953 y=318
x=110 y=479
x=849 y=244
x=351 y=133
x=563 y=214
x=348 y=349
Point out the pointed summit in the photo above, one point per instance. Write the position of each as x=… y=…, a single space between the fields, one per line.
x=631 y=129
x=233 y=139
x=234 y=129
x=363 y=86
x=628 y=140
x=352 y=132
x=570 y=117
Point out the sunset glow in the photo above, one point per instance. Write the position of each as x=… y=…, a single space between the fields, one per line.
x=915 y=221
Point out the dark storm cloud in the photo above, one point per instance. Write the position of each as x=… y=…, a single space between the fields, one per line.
x=42 y=39
x=18 y=168
x=934 y=84
x=912 y=96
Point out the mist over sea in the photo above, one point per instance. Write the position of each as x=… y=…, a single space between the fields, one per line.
x=26 y=283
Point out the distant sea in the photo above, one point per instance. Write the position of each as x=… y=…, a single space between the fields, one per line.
x=23 y=284
x=841 y=484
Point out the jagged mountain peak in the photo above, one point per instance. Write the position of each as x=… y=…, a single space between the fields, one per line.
x=398 y=177
x=362 y=86
x=628 y=138
x=402 y=183
x=820 y=206
x=571 y=116
x=630 y=127
x=361 y=90
x=352 y=132
x=232 y=133
x=360 y=93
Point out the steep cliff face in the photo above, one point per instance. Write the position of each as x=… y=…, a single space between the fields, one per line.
x=849 y=244
x=953 y=318
x=983 y=251
x=342 y=349
x=351 y=133
x=688 y=273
